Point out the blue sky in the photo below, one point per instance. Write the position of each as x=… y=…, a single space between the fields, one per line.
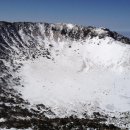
x=113 y=14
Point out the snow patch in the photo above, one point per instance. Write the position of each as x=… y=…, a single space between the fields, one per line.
x=2 y=120
x=70 y=26
x=100 y=31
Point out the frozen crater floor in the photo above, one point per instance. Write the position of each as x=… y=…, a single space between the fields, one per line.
x=83 y=78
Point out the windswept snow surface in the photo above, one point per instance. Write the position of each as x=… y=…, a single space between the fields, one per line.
x=88 y=76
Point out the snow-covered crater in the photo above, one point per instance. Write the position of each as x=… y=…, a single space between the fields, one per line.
x=72 y=70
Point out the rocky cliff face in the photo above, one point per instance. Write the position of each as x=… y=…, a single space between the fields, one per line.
x=26 y=41
x=12 y=35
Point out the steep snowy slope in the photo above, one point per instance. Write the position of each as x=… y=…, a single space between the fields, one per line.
x=64 y=70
